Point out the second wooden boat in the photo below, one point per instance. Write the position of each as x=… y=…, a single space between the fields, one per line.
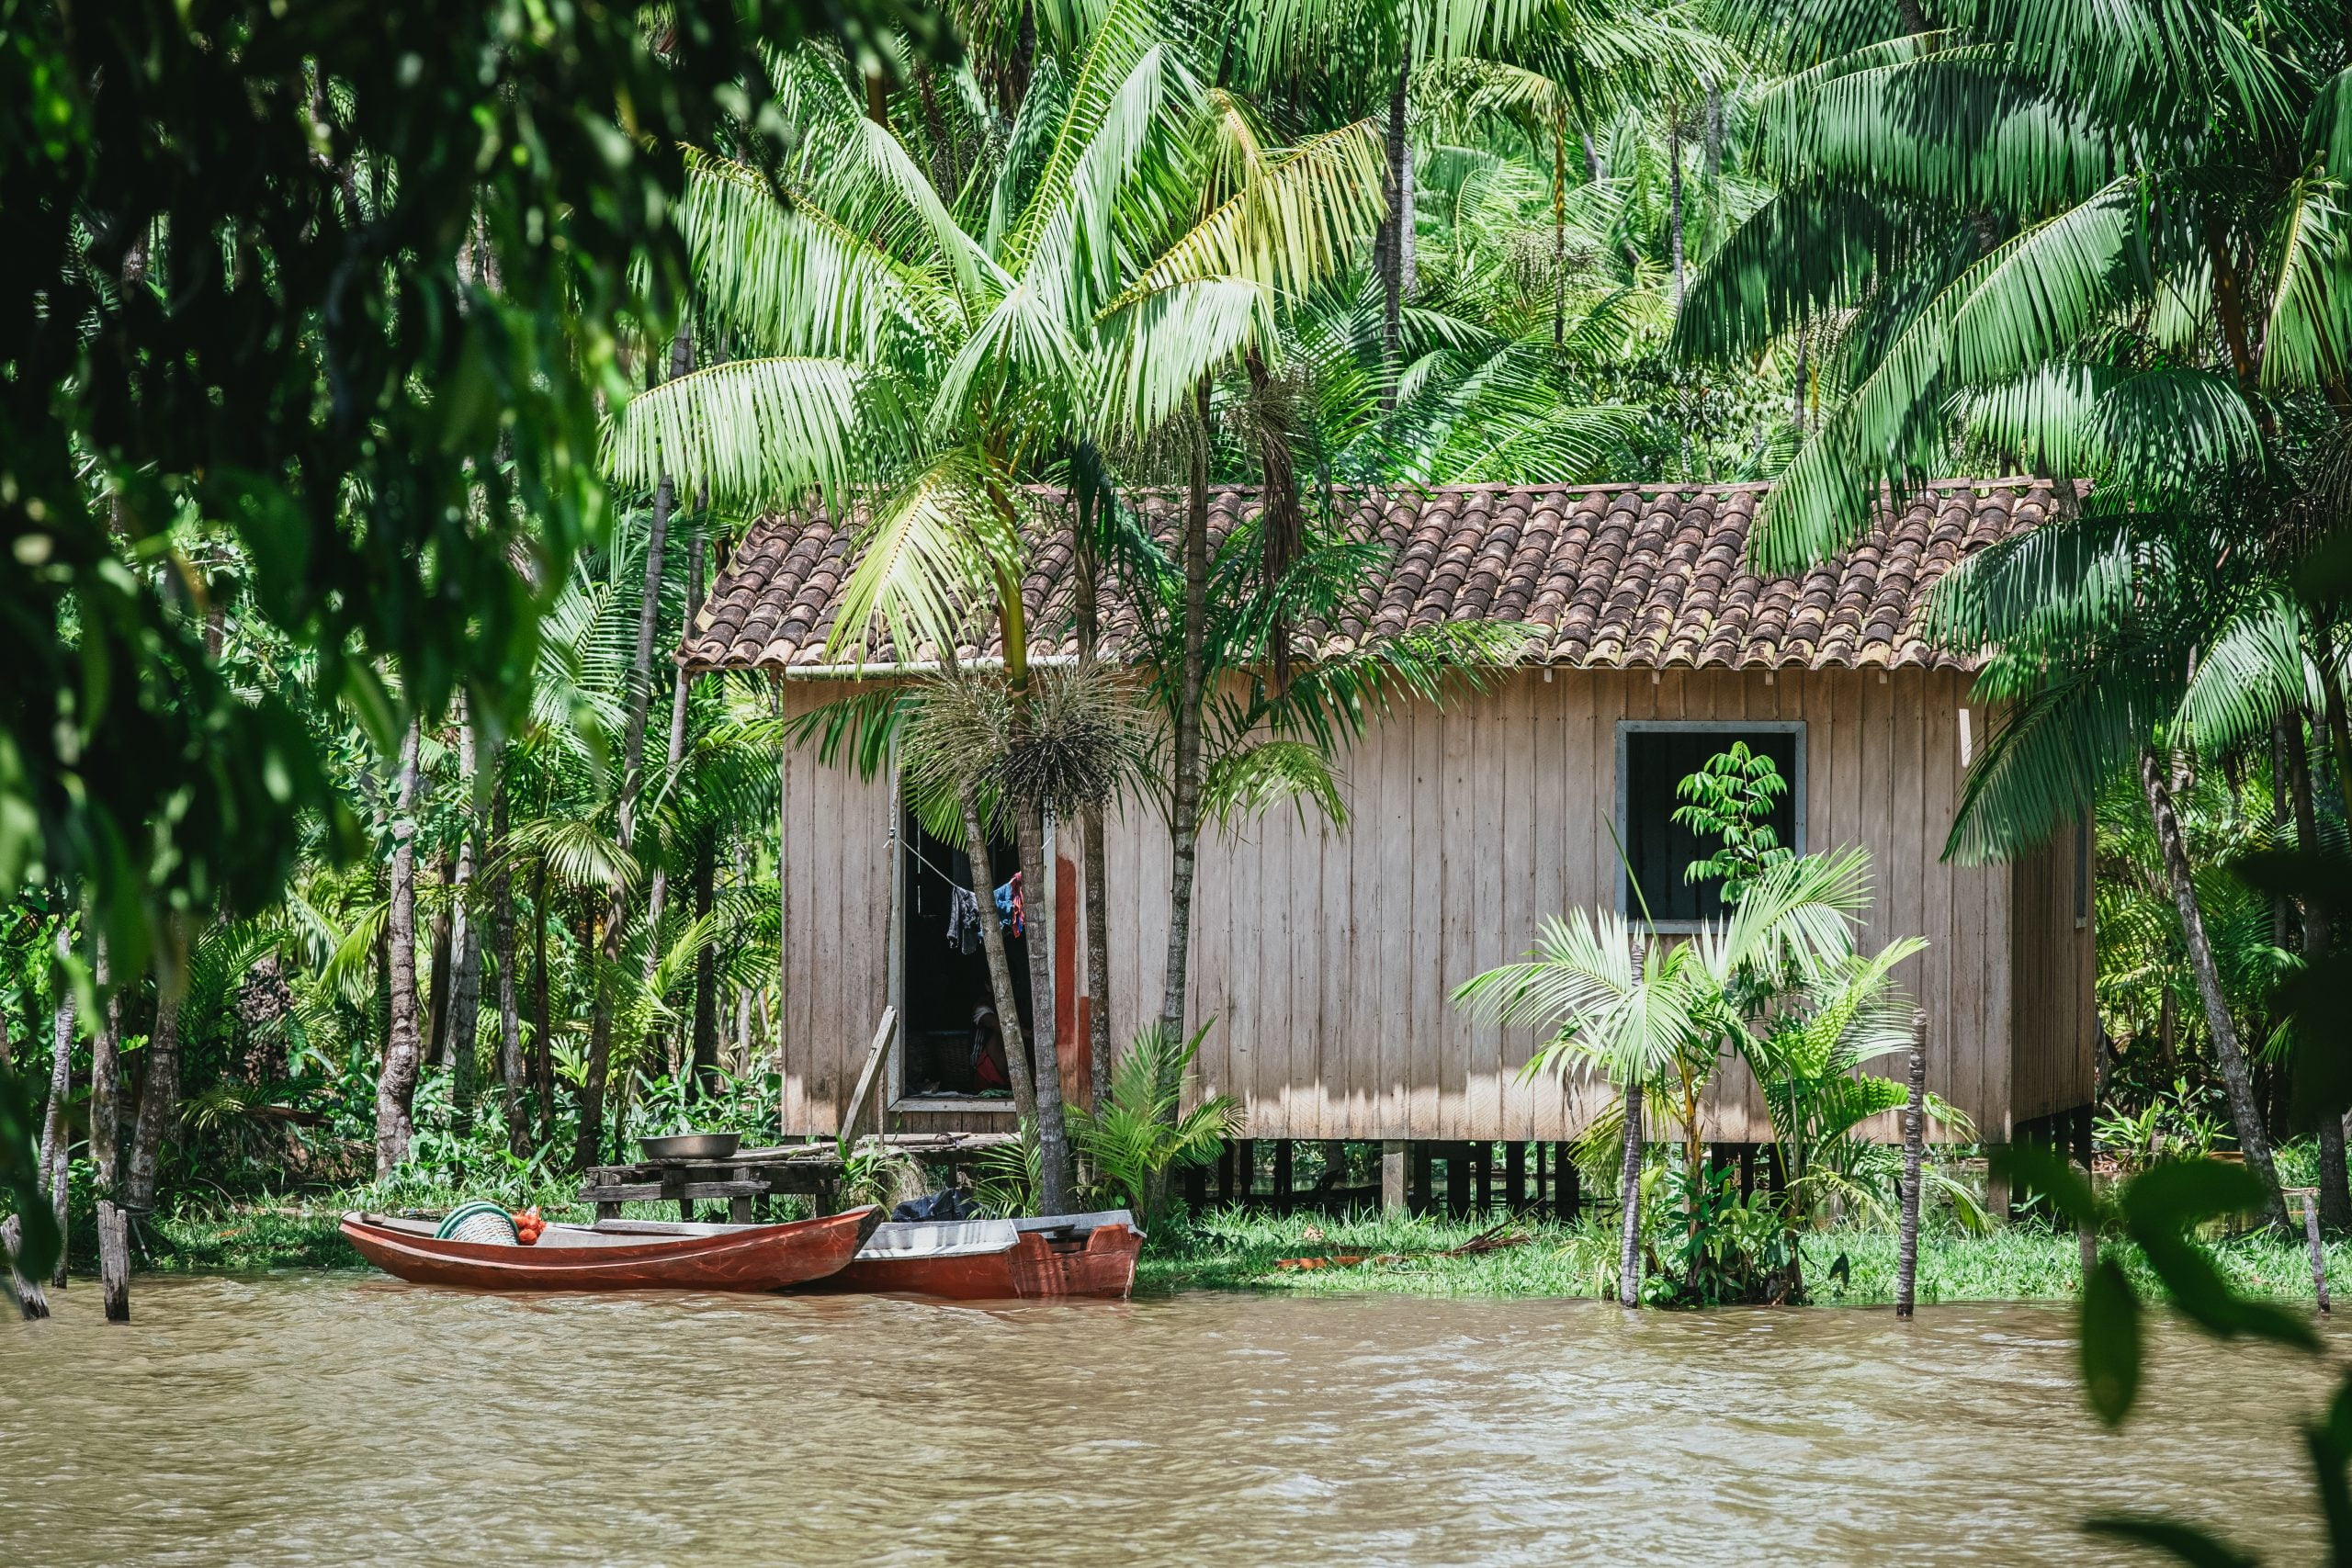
x=1063 y=1255
x=620 y=1255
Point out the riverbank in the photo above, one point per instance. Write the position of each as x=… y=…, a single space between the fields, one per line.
x=1309 y=1255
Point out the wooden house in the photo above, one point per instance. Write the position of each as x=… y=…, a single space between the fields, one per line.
x=1325 y=954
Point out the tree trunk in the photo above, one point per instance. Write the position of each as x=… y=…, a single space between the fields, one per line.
x=1056 y=1180
x=1915 y=1148
x=106 y=1076
x=1674 y=198
x=1560 y=225
x=542 y=1043
x=159 y=1096
x=396 y=1087
x=1393 y=249
x=587 y=1151
x=1281 y=528
x=2236 y=1075
x=1629 y=1196
x=2334 y=1191
x=1184 y=814
x=510 y=1023
x=465 y=986
x=705 y=1020
x=1095 y=872
x=56 y=1137
x=1008 y=1011
x=436 y=988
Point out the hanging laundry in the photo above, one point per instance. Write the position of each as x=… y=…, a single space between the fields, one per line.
x=963 y=921
x=1008 y=911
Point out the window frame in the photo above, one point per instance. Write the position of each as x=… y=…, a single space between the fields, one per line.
x=1731 y=729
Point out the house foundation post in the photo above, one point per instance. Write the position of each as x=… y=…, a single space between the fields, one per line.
x=1515 y=1177
x=1394 y=1197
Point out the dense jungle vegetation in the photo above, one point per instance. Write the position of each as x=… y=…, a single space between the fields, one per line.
x=381 y=392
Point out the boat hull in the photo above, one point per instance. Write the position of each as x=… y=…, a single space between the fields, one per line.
x=755 y=1257
x=1100 y=1264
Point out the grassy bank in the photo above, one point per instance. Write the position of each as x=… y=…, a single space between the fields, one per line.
x=1235 y=1250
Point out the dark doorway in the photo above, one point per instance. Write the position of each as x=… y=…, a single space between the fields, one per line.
x=952 y=1050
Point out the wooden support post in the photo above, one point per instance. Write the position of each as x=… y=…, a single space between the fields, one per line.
x=1567 y=1185
x=31 y=1300
x=114 y=1261
x=608 y=1212
x=2319 y=1250
x=1196 y=1187
x=1515 y=1177
x=1915 y=1140
x=1424 y=1182
x=1457 y=1180
x=1396 y=1197
x=1245 y=1169
x=2081 y=1117
x=739 y=1211
x=1225 y=1172
x=1281 y=1175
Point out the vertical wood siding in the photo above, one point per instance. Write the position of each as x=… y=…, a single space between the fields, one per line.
x=1323 y=957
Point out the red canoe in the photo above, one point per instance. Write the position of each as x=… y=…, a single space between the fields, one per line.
x=1069 y=1255
x=620 y=1255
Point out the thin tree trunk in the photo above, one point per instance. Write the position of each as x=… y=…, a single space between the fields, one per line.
x=1629 y=1196
x=1095 y=872
x=465 y=986
x=511 y=1071
x=706 y=1020
x=1045 y=1050
x=1395 y=248
x=1915 y=1148
x=589 y=1147
x=1007 y=1011
x=396 y=1087
x=1281 y=528
x=159 y=1096
x=1184 y=815
x=542 y=1043
x=1560 y=224
x=2236 y=1075
x=437 y=989
x=2334 y=1191
x=657 y=899
x=56 y=1137
x=1674 y=197
x=106 y=1075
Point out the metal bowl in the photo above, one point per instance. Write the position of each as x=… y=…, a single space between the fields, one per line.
x=692 y=1145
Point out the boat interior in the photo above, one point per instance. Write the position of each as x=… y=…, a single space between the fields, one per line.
x=918 y=1238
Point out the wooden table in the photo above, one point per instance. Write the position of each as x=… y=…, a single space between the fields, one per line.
x=749 y=1178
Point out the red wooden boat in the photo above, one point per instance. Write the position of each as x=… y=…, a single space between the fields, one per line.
x=620 y=1255
x=1068 y=1254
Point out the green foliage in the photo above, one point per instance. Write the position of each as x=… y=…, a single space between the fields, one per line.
x=1731 y=798
x=1142 y=1132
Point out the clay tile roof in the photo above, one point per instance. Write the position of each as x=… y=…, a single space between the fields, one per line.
x=1629 y=576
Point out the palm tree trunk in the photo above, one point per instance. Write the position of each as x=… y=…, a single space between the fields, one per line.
x=657 y=898
x=1629 y=1198
x=587 y=1149
x=436 y=988
x=2236 y=1076
x=511 y=1070
x=1396 y=242
x=1281 y=528
x=396 y=1086
x=1674 y=197
x=1559 y=224
x=1915 y=1148
x=1096 y=871
x=159 y=1095
x=1054 y=1178
x=706 y=1020
x=1184 y=814
x=2334 y=1191
x=1008 y=1012
x=56 y=1138
x=465 y=986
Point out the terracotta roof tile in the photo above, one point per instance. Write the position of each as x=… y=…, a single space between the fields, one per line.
x=1643 y=576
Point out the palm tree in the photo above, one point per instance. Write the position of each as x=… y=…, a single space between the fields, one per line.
x=1638 y=1011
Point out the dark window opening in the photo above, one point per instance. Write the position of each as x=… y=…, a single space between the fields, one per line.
x=951 y=1046
x=1660 y=849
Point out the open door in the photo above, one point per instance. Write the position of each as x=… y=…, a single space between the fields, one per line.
x=952 y=1050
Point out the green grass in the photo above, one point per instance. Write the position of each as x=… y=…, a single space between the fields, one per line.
x=1233 y=1250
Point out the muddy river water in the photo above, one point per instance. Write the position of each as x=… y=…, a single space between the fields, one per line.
x=338 y=1418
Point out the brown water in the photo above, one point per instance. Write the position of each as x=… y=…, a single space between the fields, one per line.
x=347 y=1418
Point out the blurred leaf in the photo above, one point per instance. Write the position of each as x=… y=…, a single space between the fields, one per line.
x=2111 y=1348
x=2185 y=1542
x=2046 y=1171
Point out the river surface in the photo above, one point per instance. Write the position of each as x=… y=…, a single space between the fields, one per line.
x=347 y=1418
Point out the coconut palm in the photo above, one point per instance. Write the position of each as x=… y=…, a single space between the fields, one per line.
x=1140 y=1131
x=1649 y=1016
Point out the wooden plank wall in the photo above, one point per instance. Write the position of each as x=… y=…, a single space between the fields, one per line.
x=1325 y=956
x=2056 y=963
